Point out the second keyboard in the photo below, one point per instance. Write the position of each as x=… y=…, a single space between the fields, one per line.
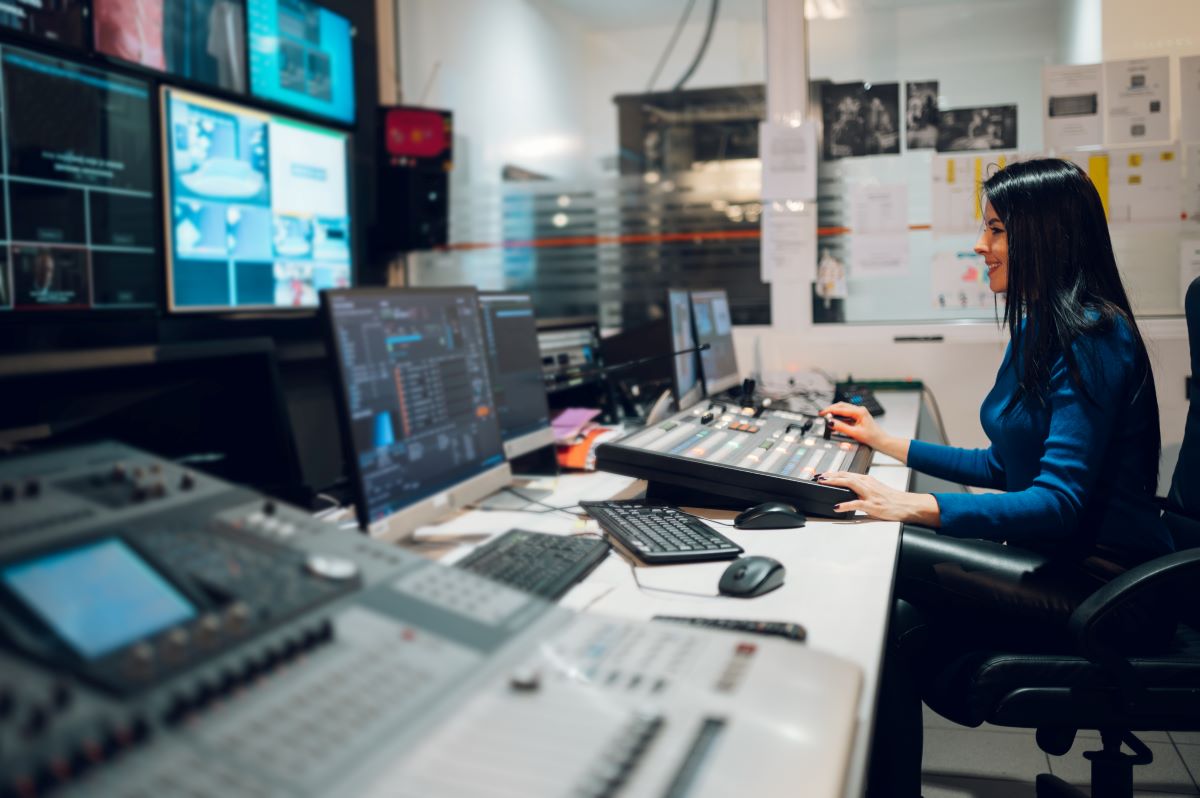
x=659 y=533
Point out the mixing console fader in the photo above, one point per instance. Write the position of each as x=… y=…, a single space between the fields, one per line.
x=741 y=456
x=164 y=633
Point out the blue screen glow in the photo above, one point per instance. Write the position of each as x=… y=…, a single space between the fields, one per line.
x=300 y=55
x=98 y=597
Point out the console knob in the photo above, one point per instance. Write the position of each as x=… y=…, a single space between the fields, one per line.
x=187 y=482
x=33 y=488
x=7 y=492
x=61 y=695
x=334 y=569
x=35 y=722
x=8 y=701
x=268 y=507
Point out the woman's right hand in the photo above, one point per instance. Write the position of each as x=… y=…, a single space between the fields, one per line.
x=855 y=422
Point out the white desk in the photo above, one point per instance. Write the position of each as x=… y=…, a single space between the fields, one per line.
x=838 y=582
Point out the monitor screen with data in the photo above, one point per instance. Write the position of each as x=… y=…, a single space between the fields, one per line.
x=516 y=368
x=301 y=55
x=417 y=409
x=714 y=326
x=59 y=21
x=77 y=208
x=685 y=369
x=201 y=40
x=258 y=207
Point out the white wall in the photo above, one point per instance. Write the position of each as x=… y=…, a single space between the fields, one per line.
x=1080 y=31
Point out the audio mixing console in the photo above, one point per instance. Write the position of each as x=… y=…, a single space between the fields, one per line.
x=725 y=455
x=164 y=633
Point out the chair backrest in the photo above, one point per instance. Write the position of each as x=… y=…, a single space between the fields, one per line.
x=1184 y=495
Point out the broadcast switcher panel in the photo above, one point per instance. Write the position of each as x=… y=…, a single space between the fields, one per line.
x=740 y=456
x=166 y=633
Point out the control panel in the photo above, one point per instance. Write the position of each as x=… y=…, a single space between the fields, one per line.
x=743 y=455
x=166 y=633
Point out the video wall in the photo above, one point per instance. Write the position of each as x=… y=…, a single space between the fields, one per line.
x=259 y=206
x=254 y=209
x=77 y=227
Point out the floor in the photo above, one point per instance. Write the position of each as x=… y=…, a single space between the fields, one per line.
x=995 y=762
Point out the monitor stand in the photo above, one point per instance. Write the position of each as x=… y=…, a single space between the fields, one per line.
x=528 y=469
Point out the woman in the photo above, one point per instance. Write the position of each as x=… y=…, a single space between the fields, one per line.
x=1073 y=424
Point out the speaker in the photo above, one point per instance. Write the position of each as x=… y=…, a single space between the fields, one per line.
x=414 y=180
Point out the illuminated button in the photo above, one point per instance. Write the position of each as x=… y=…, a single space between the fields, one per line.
x=238 y=615
x=810 y=441
x=845 y=447
x=286 y=530
x=335 y=569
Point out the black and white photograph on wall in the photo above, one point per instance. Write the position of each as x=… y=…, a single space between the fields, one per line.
x=861 y=119
x=990 y=128
x=921 y=115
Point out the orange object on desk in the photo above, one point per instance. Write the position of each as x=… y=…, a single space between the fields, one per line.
x=578 y=456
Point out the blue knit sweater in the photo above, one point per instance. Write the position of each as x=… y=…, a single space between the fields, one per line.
x=1072 y=468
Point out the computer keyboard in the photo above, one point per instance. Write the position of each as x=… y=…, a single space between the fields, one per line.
x=858 y=395
x=538 y=563
x=659 y=533
x=789 y=631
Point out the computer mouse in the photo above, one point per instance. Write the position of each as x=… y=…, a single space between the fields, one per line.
x=747 y=577
x=770 y=515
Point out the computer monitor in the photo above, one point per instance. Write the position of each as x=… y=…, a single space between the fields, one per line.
x=59 y=21
x=418 y=418
x=714 y=326
x=516 y=368
x=201 y=40
x=301 y=55
x=685 y=369
x=77 y=203
x=258 y=207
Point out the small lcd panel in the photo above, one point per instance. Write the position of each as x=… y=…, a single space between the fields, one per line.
x=97 y=598
x=685 y=369
x=714 y=326
x=416 y=397
x=259 y=207
x=201 y=40
x=301 y=55
x=78 y=200
x=58 y=21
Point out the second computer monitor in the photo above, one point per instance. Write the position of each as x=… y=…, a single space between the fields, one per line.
x=516 y=366
x=418 y=418
x=685 y=369
x=714 y=326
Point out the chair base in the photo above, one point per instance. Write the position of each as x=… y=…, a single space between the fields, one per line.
x=1112 y=771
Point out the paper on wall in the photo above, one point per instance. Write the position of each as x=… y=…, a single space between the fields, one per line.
x=789 y=161
x=1138 y=100
x=789 y=242
x=879 y=208
x=957 y=186
x=1189 y=265
x=1189 y=97
x=875 y=255
x=1143 y=185
x=960 y=282
x=1072 y=98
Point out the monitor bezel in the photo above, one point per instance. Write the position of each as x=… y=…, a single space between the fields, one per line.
x=402 y=523
x=697 y=391
x=528 y=440
x=164 y=95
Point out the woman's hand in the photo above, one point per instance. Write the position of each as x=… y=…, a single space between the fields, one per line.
x=855 y=422
x=879 y=501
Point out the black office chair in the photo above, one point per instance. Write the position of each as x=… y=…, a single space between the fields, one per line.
x=1099 y=688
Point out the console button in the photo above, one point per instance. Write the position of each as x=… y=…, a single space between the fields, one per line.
x=335 y=569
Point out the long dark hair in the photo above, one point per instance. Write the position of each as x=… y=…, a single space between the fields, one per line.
x=1063 y=281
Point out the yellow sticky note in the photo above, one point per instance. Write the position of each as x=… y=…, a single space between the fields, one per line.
x=1097 y=169
x=1167 y=155
x=949 y=170
x=1135 y=159
x=1135 y=180
x=1003 y=162
x=978 y=187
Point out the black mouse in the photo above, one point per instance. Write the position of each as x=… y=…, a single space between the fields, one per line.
x=770 y=515
x=747 y=577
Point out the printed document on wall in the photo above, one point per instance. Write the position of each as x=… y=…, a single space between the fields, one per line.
x=957 y=182
x=789 y=161
x=879 y=208
x=960 y=281
x=1189 y=97
x=1138 y=100
x=1189 y=265
x=789 y=242
x=1071 y=102
x=875 y=255
x=1143 y=185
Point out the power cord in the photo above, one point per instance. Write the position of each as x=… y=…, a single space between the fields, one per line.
x=644 y=588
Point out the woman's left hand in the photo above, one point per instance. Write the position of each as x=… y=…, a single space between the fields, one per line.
x=879 y=501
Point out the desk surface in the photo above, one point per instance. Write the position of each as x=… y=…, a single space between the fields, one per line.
x=838 y=583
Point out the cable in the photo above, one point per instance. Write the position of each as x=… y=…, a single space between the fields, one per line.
x=633 y=570
x=662 y=61
x=550 y=507
x=712 y=20
x=702 y=518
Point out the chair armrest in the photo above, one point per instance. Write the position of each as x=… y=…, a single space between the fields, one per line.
x=1088 y=621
